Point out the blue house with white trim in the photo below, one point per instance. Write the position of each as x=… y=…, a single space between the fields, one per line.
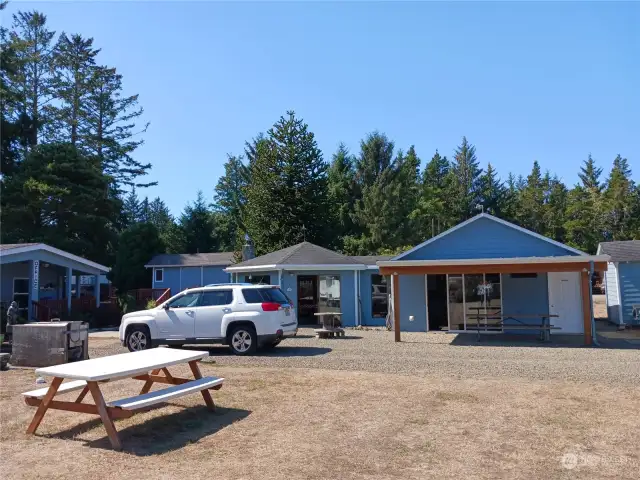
x=180 y=271
x=36 y=273
x=622 y=281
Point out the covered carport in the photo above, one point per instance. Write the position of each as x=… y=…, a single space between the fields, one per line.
x=563 y=281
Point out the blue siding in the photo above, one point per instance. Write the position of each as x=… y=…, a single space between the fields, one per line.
x=171 y=280
x=215 y=275
x=629 y=277
x=485 y=238
x=413 y=302
x=524 y=296
x=190 y=277
x=366 y=316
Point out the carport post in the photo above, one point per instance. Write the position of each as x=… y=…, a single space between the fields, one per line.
x=395 y=296
x=585 y=284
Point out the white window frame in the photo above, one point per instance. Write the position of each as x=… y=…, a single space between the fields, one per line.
x=155 y=276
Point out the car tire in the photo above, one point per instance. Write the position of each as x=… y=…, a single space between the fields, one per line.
x=138 y=339
x=243 y=340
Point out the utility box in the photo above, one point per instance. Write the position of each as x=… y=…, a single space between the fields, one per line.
x=42 y=344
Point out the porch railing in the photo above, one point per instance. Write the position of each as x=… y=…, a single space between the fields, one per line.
x=165 y=296
x=40 y=312
x=143 y=295
x=46 y=309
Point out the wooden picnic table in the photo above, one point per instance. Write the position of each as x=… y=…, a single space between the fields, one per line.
x=328 y=330
x=144 y=365
x=545 y=326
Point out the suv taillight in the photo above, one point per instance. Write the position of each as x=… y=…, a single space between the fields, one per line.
x=270 y=307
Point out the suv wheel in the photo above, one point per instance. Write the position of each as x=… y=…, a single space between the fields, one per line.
x=243 y=340
x=138 y=339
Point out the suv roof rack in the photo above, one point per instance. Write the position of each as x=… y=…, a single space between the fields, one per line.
x=227 y=284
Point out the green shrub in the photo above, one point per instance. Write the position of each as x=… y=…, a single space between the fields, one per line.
x=151 y=303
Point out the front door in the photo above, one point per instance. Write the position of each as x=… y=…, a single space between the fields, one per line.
x=178 y=321
x=307 y=299
x=565 y=301
x=214 y=305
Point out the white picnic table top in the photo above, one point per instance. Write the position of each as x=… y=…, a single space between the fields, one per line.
x=320 y=314
x=122 y=365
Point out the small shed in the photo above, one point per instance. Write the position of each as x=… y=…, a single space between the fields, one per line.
x=622 y=281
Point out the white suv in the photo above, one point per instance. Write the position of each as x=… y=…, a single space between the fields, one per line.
x=243 y=316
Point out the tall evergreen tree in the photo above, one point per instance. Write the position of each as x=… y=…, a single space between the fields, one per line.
x=590 y=175
x=464 y=195
x=230 y=202
x=62 y=198
x=197 y=227
x=431 y=214
x=131 y=208
x=31 y=43
x=288 y=188
x=620 y=199
x=107 y=126
x=531 y=202
x=408 y=195
x=74 y=60
x=342 y=194
x=492 y=192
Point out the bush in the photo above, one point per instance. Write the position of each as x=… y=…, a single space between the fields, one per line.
x=151 y=303
x=126 y=303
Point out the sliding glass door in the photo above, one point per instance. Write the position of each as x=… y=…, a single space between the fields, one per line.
x=475 y=302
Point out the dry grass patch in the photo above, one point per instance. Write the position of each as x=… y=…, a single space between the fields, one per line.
x=316 y=424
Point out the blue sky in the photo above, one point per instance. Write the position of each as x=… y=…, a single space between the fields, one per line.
x=542 y=81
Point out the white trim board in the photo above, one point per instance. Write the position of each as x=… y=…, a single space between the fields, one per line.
x=55 y=251
x=496 y=261
x=495 y=219
x=287 y=267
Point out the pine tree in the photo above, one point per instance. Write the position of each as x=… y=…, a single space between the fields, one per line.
x=62 y=198
x=492 y=192
x=288 y=188
x=197 y=228
x=107 y=126
x=531 y=202
x=590 y=175
x=31 y=43
x=342 y=194
x=230 y=202
x=620 y=197
x=408 y=195
x=74 y=61
x=464 y=195
x=431 y=214
x=131 y=210
x=556 y=195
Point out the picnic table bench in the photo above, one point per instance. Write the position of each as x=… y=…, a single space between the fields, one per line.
x=328 y=329
x=544 y=326
x=145 y=365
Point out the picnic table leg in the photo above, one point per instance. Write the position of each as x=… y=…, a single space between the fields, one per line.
x=83 y=394
x=44 y=405
x=149 y=383
x=195 y=369
x=109 y=426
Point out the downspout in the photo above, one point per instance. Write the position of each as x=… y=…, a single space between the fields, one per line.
x=594 y=337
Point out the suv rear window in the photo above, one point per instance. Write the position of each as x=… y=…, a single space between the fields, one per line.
x=259 y=295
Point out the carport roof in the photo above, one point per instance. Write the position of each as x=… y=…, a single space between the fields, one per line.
x=217 y=259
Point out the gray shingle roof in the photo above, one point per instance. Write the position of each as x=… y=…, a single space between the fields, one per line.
x=192 y=259
x=624 y=251
x=371 y=259
x=304 y=253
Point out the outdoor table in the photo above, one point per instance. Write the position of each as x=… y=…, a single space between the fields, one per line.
x=328 y=330
x=88 y=374
x=545 y=326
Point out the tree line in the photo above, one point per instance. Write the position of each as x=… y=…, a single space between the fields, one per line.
x=70 y=178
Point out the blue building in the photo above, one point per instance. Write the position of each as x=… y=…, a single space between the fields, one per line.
x=36 y=274
x=622 y=281
x=179 y=271
x=484 y=274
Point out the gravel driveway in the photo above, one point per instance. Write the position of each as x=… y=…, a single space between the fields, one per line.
x=422 y=354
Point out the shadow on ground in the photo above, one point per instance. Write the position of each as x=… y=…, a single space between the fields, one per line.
x=163 y=433
x=279 y=351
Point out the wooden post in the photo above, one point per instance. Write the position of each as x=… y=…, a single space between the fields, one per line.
x=112 y=433
x=586 y=306
x=205 y=393
x=44 y=405
x=396 y=306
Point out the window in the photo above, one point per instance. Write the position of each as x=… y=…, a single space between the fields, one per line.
x=259 y=295
x=216 y=297
x=21 y=294
x=329 y=290
x=186 y=300
x=475 y=301
x=379 y=296
x=257 y=279
x=159 y=273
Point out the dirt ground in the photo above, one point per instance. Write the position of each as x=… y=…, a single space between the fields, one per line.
x=315 y=423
